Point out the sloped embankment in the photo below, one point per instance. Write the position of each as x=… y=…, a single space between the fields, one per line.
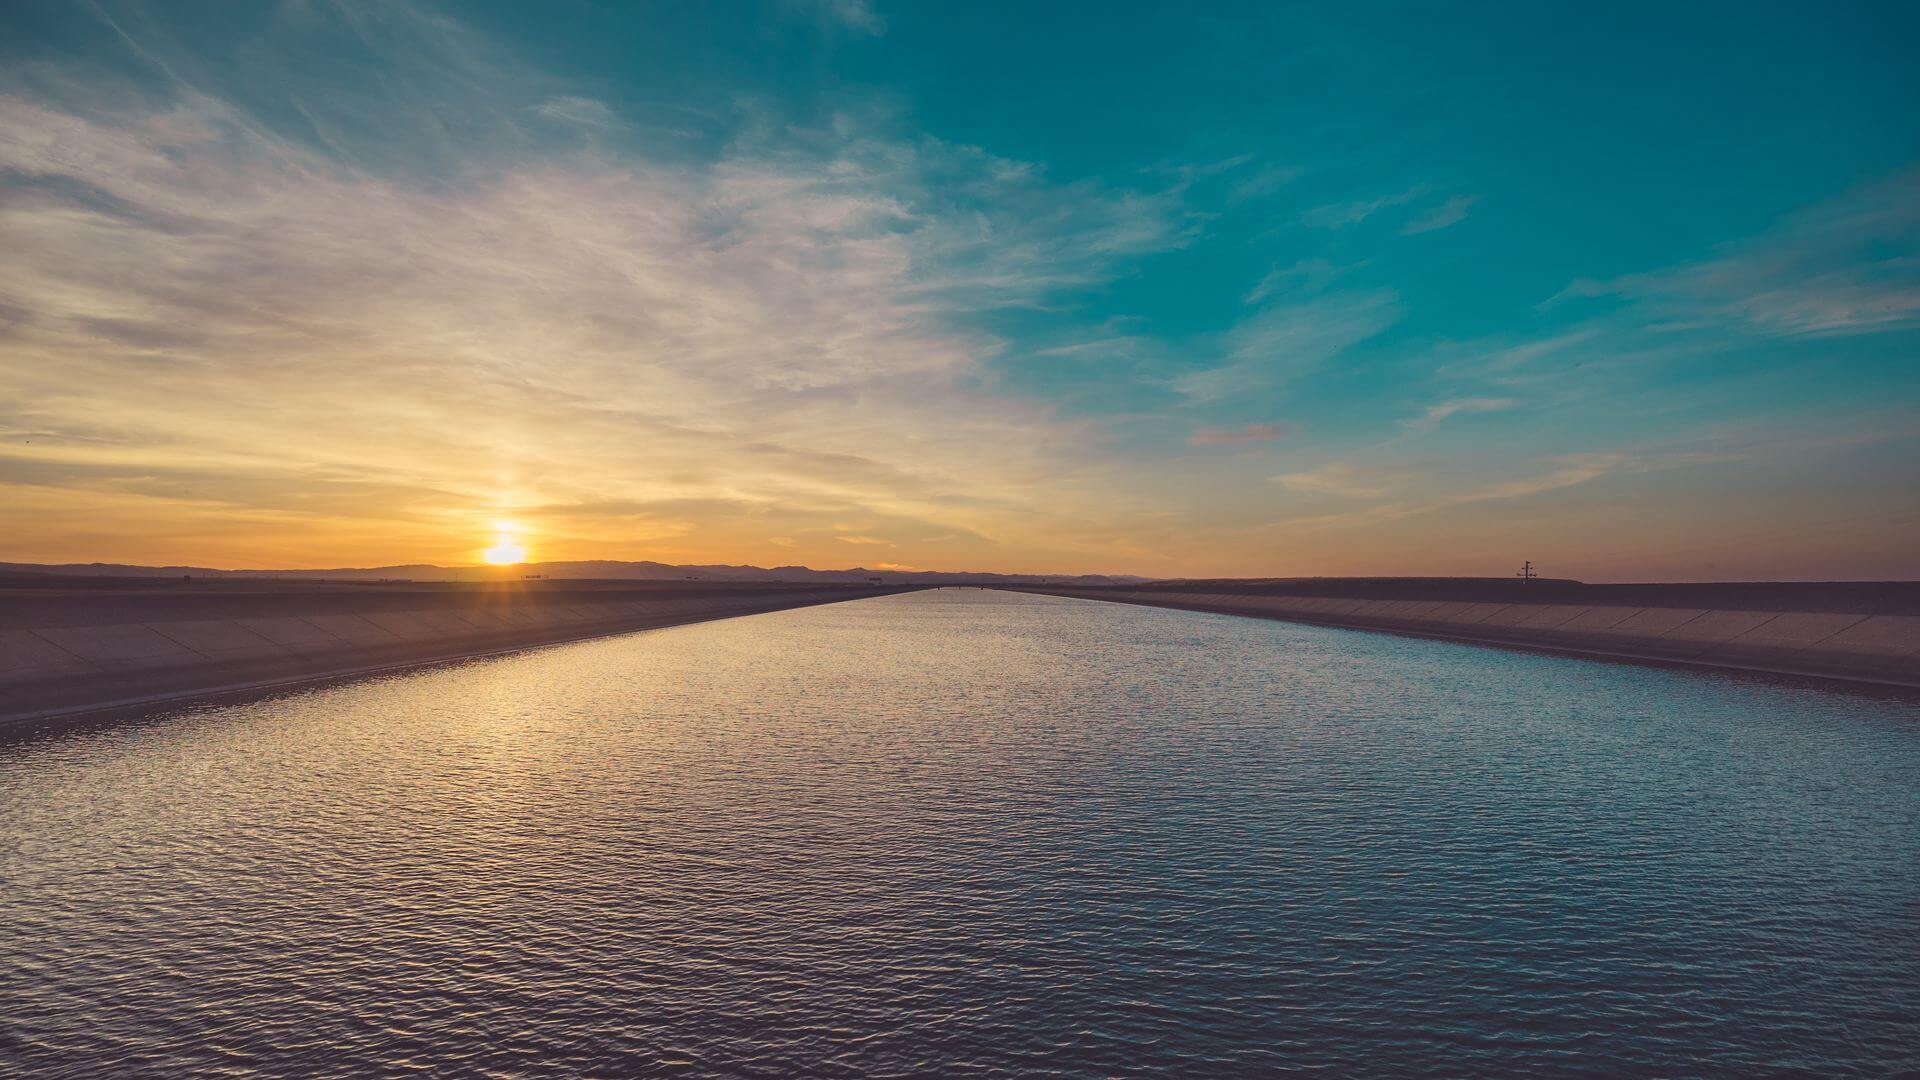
x=1864 y=641
x=85 y=651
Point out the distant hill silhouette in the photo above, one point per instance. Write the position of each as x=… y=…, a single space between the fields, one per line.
x=597 y=570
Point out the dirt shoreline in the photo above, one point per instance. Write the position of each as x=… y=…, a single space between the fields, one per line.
x=69 y=655
x=1865 y=632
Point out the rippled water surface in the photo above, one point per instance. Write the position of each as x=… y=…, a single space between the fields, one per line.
x=974 y=833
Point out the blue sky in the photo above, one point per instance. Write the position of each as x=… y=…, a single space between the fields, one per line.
x=1633 y=291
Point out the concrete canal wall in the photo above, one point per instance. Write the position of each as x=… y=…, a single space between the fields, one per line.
x=1873 y=637
x=75 y=651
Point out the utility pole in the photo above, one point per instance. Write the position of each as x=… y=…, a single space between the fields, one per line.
x=1526 y=571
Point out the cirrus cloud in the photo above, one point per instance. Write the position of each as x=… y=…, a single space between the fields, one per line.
x=1240 y=436
x=337 y=346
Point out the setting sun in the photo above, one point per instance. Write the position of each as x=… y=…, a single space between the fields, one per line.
x=504 y=552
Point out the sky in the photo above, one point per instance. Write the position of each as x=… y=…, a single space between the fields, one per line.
x=1628 y=290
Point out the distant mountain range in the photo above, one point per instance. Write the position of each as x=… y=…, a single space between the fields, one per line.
x=602 y=570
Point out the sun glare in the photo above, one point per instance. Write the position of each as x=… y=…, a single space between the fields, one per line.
x=504 y=552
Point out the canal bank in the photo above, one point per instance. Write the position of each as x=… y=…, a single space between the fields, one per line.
x=1856 y=631
x=87 y=648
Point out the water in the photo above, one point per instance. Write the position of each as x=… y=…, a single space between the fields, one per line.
x=969 y=833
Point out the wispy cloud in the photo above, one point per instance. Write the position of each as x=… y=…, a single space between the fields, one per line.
x=1285 y=341
x=1440 y=411
x=1240 y=436
x=1343 y=479
x=569 y=109
x=859 y=14
x=1341 y=215
x=856 y=15
x=1569 y=470
x=1566 y=471
x=1265 y=181
x=1449 y=213
x=1309 y=273
x=368 y=281
x=1500 y=358
x=1848 y=266
x=864 y=541
x=1118 y=345
x=706 y=350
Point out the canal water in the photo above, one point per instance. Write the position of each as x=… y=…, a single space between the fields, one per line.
x=971 y=833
